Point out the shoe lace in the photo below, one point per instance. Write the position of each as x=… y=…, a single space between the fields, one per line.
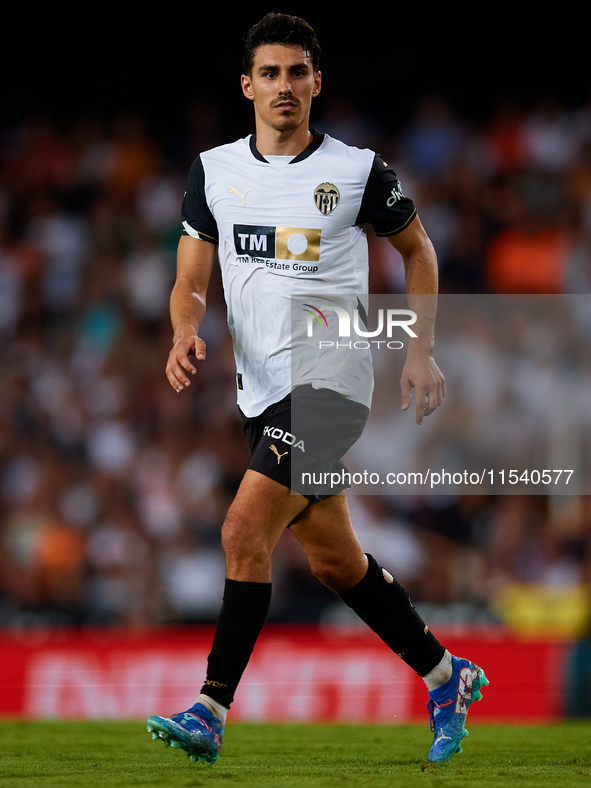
x=431 y=706
x=206 y=716
x=201 y=716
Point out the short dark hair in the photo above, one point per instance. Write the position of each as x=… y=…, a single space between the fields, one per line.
x=276 y=28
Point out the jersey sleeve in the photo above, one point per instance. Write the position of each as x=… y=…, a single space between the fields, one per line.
x=198 y=220
x=384 y=206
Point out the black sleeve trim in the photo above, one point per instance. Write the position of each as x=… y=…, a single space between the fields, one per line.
x=198 y=220
x=197 y=234
x=384 y=206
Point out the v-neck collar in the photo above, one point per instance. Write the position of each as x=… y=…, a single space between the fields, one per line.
x=317 y=140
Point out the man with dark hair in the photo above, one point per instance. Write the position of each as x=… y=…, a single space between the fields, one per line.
x=240 y=199
x=281 y=29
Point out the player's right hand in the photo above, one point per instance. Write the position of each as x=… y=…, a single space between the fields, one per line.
x=179 y=367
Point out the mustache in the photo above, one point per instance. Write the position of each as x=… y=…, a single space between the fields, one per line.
x=284 y=100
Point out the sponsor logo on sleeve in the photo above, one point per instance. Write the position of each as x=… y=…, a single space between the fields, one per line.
x=395 y=195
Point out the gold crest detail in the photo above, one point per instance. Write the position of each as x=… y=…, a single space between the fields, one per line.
x=326 y=198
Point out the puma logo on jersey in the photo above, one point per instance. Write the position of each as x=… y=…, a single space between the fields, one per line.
x=232 y=190
x=275 y=451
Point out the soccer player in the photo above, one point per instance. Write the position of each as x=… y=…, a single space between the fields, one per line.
x=284 y=209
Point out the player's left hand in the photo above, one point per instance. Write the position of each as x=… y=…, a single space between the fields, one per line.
x=422 y=373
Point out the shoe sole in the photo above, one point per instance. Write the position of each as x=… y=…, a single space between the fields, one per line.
x=481 y=681
x=159 y=730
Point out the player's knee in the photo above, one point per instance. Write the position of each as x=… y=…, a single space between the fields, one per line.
x=334 y=574
x=243 y=543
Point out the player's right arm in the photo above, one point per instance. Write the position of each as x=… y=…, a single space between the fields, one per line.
x=195 y=260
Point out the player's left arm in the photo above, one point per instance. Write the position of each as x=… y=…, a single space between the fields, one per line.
x=422 y=285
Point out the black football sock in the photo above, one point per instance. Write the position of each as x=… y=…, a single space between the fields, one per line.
x=244 y=609
x=386 y=608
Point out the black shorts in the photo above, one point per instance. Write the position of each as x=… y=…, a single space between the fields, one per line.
x=300 y=441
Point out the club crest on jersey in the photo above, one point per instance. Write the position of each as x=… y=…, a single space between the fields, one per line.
x=326 y=198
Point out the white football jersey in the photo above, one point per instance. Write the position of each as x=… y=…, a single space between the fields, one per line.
x=296 y=228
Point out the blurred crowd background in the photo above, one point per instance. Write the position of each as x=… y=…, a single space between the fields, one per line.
x=113 y=488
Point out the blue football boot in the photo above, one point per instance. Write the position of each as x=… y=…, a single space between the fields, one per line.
x=448 y=706
x=197 y=731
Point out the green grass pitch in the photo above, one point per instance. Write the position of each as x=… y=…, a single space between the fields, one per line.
x=122 y=754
